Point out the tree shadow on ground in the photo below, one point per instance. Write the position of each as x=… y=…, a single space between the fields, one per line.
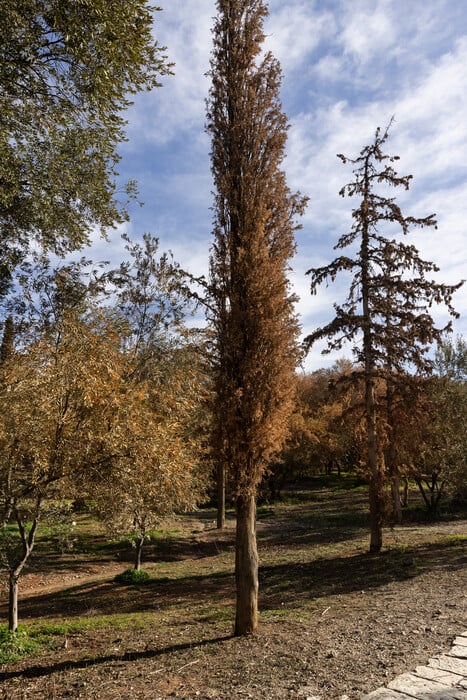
x=68 y=665
x=346 y=574
x=293 y=582
x=109 y=598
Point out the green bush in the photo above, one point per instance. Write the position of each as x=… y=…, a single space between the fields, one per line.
x=132 y=577
x=14 y=645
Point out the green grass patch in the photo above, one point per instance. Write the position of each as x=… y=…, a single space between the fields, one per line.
x=455 y=539
x=132 y=577
x=37 y=636
x=21 y=643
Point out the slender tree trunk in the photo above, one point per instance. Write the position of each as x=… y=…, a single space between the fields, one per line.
x=27 y=542
x=435 y=492
x=220 y=495
x=7 y=511
x=396 y=499
x=13 y=602
x=139 y=552
x=246 y=566
x=376 y=487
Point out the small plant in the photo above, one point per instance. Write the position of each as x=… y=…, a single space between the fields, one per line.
x=13 y=645
x=132 y=577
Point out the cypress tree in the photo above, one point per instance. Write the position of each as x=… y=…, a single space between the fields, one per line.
x=252 y=313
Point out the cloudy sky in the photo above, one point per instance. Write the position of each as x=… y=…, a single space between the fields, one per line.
x=348 y=65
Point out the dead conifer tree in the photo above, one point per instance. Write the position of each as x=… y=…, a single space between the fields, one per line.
x=252 y=314
x=386 y=313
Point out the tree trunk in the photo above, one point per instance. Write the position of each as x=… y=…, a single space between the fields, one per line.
x=7 y=511
x=246 y=566
x=13 y=602
x=14 y=573
x=220 y=496
x=376 y=495
x=435 y=492
x=376 y=488
x=396 y=499
x=139 y=552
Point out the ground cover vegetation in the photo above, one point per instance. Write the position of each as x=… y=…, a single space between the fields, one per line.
x=334 y=620
x=118 y=416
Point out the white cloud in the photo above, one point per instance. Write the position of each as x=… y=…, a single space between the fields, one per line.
x=348 y=67
x=178 y=107
x=294 y=31
x=367 y=31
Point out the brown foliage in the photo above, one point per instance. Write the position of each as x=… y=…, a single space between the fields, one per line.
x=255 y=328
x=386 y=313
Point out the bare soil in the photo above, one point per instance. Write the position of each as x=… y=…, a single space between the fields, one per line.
x=335 y=621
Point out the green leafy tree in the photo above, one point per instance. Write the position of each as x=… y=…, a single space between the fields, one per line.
x=253 y=320
x=151 y=293
x=67 y=73
x=451 y=359
x=386 y=313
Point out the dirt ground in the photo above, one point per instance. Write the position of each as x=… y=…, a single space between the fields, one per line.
x=335 y=621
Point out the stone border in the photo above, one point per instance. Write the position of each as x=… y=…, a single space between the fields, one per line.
x=443 y=678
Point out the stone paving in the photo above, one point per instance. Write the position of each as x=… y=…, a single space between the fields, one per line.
x=443 y=678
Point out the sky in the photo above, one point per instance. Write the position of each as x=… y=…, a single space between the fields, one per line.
x=348 y=67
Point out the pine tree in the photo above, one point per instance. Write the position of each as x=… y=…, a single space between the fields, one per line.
x=254 y=324
x=387 y=309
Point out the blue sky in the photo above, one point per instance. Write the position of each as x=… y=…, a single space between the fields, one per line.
x=348 y=66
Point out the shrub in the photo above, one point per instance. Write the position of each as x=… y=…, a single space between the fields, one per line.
x=132 y=577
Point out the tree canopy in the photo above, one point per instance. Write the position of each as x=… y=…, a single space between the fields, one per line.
x=67 y=73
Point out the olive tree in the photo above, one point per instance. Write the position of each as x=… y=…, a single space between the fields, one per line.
x=67 y=74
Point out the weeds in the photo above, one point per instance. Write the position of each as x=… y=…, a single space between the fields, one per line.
x=14 y=645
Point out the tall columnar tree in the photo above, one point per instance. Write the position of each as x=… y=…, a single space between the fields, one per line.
x=67 y=72
x=386 y=313
x=253 y=318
